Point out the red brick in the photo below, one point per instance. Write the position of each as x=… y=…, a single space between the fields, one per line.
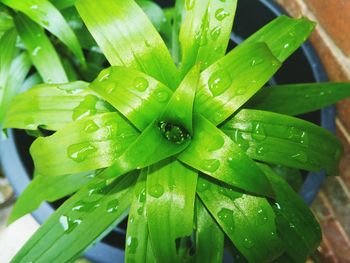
x=343 y=109
x=334 y=16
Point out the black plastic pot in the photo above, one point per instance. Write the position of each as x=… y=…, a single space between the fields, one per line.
x=303 y=66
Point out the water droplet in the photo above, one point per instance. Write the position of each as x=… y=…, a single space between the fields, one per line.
x=84 y=206
x=111 y=127
x=141 y=84
x=98 y=188
x=132 y=244
x=45 y=22
x=216 y=144
x=86 y=108
x=113 y=206
x=240 y=141
x=69 y=224
x=248 y=243
x=256 y=61
x=221 y=14
x=105 y=74
x=142 y=196
x=211 y=165
x=218 y=117
x=140 y=210
x=81 y=151
x=259 y=132
x=298 y=135
x=226 y=216
x=278 y=206
x=215 y=32
x=286 y=45
x=162 y=95
x=300 y=157
x=90 y=126
x=219 y=82
x=228 y=192
x=262 y=216
x=261 y=150
x=156 y=190
x=148 y=43
x=291 y=225
x=34 y=7
x=202 y=186
x=189 y=4
x=36 y=51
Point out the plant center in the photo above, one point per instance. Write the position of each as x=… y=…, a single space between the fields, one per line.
x=173 y=132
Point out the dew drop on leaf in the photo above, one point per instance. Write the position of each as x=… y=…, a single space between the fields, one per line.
x=215 y=32
x=36 y=51
x=162 y=96
x=221 y=14
x=211 y=165
x=216 y=144
x=240 y=141
x=202 y=186
x=105 y=74
x=256 y=61
x=68 y=224
x=261 y=150
x=141 y=84
x=83 y=206
x=113 y=206
x=90 y=126
x=219 y=82
x=86 y=108
x=248 y=243
x=226 y=216
x=156 y=190
x=259 y=132
x=142 y=196
x=300 y=157
x=140 y=210
x=98 y=188
x=189 y=4
x=34 y=7
x=263 y=218
x=81 y=151
x=132 y=244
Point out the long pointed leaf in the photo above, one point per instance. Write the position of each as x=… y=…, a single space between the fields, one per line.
x=81 y=220
x=41 y=51
x=215 y=154
x=47 y=188
x=248 y=221
x=46 y=15
x=205 y=31
x=88 y=144
x=295 y=99
x=171 y=189
x=126 y=40
x=52 y=106
x=279 y=139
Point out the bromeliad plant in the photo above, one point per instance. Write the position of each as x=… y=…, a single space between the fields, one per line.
x=185 y=143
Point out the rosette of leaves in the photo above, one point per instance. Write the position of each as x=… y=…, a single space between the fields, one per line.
x=175 y=134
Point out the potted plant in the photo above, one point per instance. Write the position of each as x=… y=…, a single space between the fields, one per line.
x=181 y=143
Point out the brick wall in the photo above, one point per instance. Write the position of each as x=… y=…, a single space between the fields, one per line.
x=332 y=42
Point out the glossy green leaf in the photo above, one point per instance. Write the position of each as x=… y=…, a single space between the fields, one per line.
x=47 y=188
x=139 y=97
x=81 y=220
x=129 y=41
x=209 y=236
x=279 y=139
x=52 y=106
x=46 y=15
x=7 y=53
x=62 y=4
x=6 y=22
x=296 y=224
x=91 y=143
x=138 y=247
x=283 y=35
x=154 y=12
x=176 y=18
x=248 y=221
x=205 y=31
x=306 y=97
x=226 y=85
x=171 y=189
x=293 y=176
x=41 y=51
x=215 y=154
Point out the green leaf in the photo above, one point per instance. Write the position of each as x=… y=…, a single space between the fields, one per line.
x=139 y=97
x=215 y=154
x=41 y=51
x=138 y=247
x=283 y=35
x=293 y=176
x=296 y=224
x=177 y=18
x=31 y=81
x=63 y=4
x=88 y=144
x=47 y=16
x=47 y=188
x=171 y=189
x=209 y=237
x=84 y=218
x=154 y=12
x=205 y=31
x=248 y=221
x=295 y=99
x=129 y=41
x=226 y=85
x=279 y=139
x=7 y=53
x=52 y=106
x=6 y=22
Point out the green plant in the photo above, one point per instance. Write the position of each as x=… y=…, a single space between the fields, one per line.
x=188 y=152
